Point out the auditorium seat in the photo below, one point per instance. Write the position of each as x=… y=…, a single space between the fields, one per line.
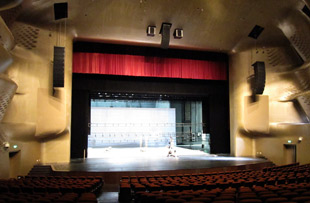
x=194 y=202
x=208 y=195
x=289 y=195
x=290 y=202
x=153 y=187
x=307 y=193
x=151 y=197
x=301 y=199
x=201 y=199
x=47 y=189
x=175 y=200
x=161 y=199
x=187 y=197
x=39 y=189
x=125 y=192
x=276 y=199
x=250 y=201
x=224 y=197
x=138 y=187
x=3 y=189
x=222 y=186
x=247 y=196
x=87 y=197
x=300 y=190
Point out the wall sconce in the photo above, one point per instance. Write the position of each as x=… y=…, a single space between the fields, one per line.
x=150 y=31
x=300 y=139
x=6 y=145
x=178 y=33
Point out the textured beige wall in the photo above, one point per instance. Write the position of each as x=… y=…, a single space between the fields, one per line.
x=23 y=161
x=38 y=118
x=256 y=114
x=270 y=145
x=273 y=148
x=5 y=164
x=57 y=149
x=239 y=71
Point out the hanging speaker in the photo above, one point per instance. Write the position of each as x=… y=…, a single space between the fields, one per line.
x=165 y=35
x=258 y=84
x=61 y=10
x=58 y=67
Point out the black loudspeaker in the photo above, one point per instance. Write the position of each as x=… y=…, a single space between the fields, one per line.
x=165 y=35
x=58 y=67
x=61 y=10
x=258 y=84
x=256 y=31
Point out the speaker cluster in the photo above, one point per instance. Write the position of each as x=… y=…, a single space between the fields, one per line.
x=165 y=33
x=258 y=80
x=58 y=66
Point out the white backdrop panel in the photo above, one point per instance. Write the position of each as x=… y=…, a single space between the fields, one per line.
x=113 y=126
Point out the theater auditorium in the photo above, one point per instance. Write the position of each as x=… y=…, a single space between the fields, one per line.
x=155 y=101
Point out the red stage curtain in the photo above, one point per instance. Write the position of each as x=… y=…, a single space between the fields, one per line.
x=148 y=66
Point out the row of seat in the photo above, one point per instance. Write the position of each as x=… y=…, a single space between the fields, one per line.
x=49 y=184
x=200 y=182
x=244 y=195
x=50 y=189
x=289 y=175
x=48 y=197
x=295 y=193
x=287 y=167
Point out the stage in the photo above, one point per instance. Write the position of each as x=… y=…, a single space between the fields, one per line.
x=112 y=163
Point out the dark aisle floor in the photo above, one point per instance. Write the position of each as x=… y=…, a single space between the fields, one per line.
x=109 y=194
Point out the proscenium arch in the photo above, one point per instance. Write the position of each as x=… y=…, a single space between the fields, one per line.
x=213 y=93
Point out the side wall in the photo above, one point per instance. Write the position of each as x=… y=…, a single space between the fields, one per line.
x=286 y=123
x=38 y=118
x=239 y=65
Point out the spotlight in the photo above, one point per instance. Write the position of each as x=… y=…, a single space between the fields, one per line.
x=150 y=31
x=178 y=33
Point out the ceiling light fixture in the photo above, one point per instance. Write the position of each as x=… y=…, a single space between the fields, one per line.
x=150 y=31
x=178 y=33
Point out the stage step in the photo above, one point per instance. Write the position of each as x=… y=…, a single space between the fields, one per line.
x=41 y=170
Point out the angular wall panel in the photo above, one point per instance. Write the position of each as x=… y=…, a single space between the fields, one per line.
x=256 y=114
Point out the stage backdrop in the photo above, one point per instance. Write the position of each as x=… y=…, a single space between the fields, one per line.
x=148 y=66
x=131 y=127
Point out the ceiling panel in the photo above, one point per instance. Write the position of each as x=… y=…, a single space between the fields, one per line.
x=219 y=25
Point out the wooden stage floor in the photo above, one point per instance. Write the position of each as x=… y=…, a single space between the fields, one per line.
x=112 y=163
